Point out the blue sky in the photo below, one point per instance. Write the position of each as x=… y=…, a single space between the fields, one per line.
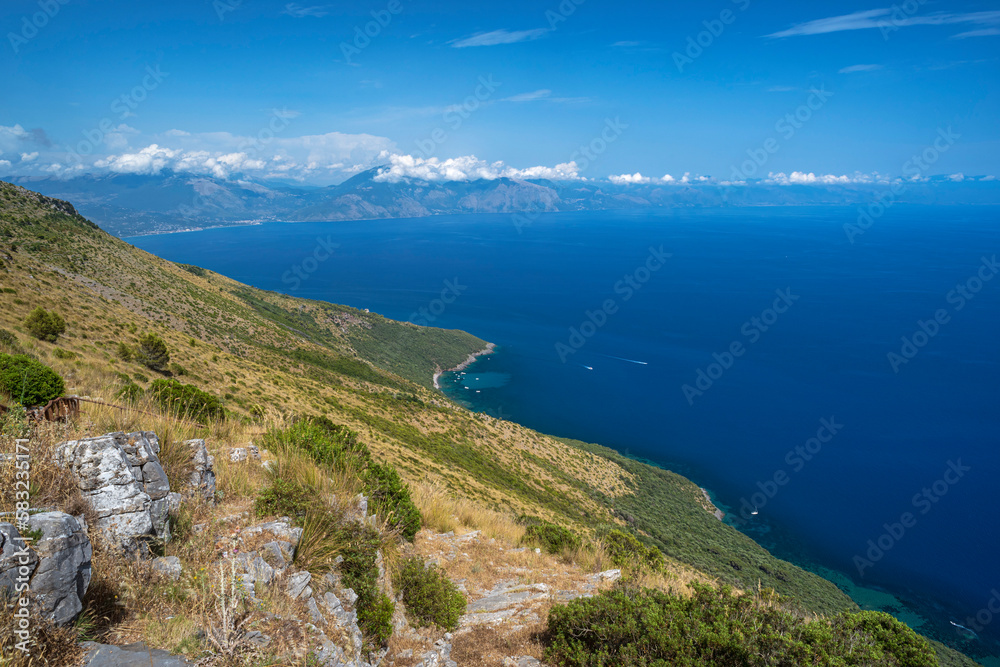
x=280 y=90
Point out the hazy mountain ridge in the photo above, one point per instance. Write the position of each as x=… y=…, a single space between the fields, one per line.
x=132 y=205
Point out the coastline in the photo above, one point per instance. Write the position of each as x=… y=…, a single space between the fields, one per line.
x=490 y=347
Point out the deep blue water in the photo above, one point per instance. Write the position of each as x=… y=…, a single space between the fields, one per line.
x=846 y=306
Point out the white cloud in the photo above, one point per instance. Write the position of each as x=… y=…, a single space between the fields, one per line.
x=982 y=32
x=529 y=97
x=4 y=164
x=501 y=36
x=177 y=133
x=858 y=68
x=957 y=178
x=468 y=168
x=887 y=18
x=29 y=157
x=803 y=178
x=638 y=179
x=298 y=11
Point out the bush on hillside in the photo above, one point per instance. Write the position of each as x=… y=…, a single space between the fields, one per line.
x=44 y=325
x=125 y=352
x=629 y=553
x=130 y=393
x=429 y=595
x=390 y=499
x=9 y=343
x=27 y=381
x=359 y=571
x=339 y=447
x=552 y=538
x=186 y=400
x=284 y=498
x=717 y=627
x=152 y=352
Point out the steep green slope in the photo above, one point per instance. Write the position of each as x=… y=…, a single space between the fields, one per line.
x=262 y=352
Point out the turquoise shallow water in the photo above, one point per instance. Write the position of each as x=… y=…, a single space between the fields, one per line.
x=755 y=359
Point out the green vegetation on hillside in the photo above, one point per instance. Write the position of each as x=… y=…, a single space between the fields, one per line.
x=265 y=358
x=644 y=628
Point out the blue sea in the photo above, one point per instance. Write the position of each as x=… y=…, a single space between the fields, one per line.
x=841 y=383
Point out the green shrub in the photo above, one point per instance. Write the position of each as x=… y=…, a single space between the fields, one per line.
x=629 y=553
x=9 y=343
x=186 y=400
x=125 y=352
x=339 y=447
x=130 y=393
x=430 y=597
x=44 y=325
x=284 y=498
x=552 y=538
x=60 y=353
x=177 y=369
x=29 y=382
x=390 y=499
x=716 y=627
x=359 y=571
x=376 y=620
x=152 y=352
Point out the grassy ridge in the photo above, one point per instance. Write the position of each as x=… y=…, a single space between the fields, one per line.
x=264 y=353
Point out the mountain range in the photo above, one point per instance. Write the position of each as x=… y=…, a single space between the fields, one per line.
x=135 y=204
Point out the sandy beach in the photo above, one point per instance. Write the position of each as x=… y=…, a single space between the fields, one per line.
x=465 y=364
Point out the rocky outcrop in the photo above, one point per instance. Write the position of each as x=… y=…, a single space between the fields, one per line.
x=202 y=480
x=132 y=655
x=108 y=482
x=142 y=450
x=56 y=566
x=64 y=569
x=17 y=561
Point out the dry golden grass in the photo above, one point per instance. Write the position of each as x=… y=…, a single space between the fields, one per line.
x=49 y=645
x=489 y=647
x=443 y=512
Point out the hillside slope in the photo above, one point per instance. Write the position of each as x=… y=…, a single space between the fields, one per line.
x=265 y=353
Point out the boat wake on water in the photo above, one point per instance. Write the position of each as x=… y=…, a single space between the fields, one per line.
x=631 y=361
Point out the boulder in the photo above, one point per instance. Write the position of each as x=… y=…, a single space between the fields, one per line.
x=237 y=454
x=64 y=569
x=14 y=554
x=142 y=449
x=169 y=566
x=298 y=585
x=131 y=655
x=203 y=477
x=107 y=481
